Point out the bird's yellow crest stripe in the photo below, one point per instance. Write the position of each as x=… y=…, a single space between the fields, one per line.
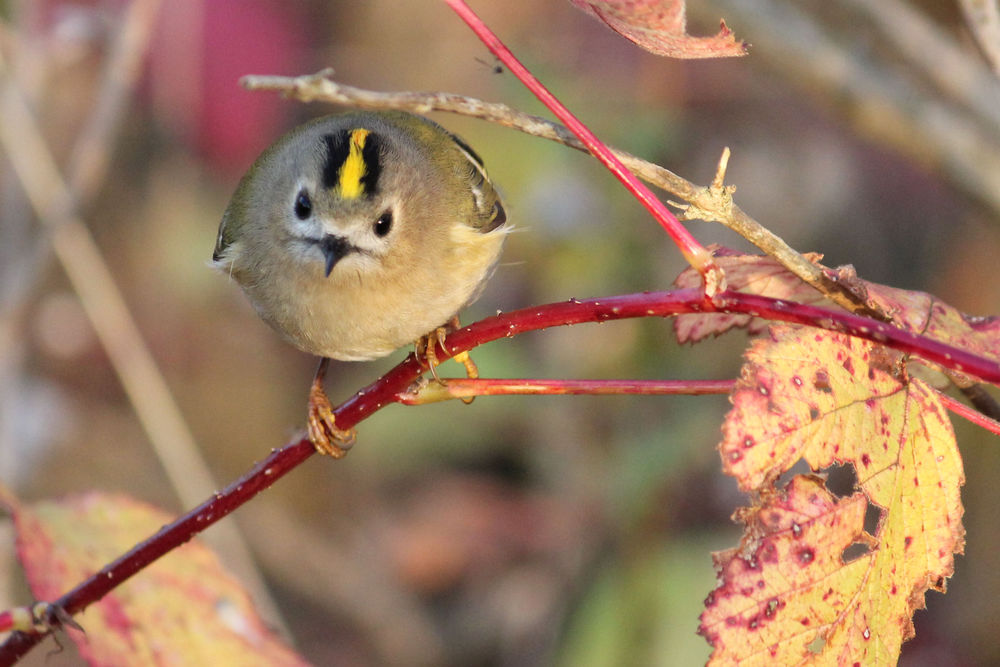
x=354 y=168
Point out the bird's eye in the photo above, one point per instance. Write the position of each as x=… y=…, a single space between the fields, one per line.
x=303 y=205
x=383 y=224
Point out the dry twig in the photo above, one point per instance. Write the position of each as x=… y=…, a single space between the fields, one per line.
x=712 y=203
x=56 y=203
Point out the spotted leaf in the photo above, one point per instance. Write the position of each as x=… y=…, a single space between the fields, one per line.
x=831 y=399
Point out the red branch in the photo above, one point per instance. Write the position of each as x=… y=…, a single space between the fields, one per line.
x=386 y=389
x=973 y=415
x=696 y=254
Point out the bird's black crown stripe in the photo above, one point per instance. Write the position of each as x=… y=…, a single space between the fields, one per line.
x=371 y=154
x=338 y=147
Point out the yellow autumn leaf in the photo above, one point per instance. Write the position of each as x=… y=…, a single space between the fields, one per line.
x=786 y=587
x=831 y=399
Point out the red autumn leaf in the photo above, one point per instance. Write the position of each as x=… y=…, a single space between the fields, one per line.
x=918 y=312
x=925 y=314
x=183 y=609
x=757 y=274
x=660 y=27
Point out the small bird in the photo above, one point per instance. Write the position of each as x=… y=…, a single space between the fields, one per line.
x=358 y=233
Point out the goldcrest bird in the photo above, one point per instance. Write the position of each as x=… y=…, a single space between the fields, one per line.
x=356 y=234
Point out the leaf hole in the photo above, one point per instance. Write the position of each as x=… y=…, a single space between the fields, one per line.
x=854 y=552
x=800 y=467
x=873 y=519
x=841 y=480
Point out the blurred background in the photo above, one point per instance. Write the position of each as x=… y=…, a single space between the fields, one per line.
x=515 y=531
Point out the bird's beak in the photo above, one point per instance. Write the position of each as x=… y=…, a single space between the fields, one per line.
x=334 y=249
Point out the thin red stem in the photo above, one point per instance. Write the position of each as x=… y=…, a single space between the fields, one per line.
x=659 y=304
x=973 y=415
x=466 y=388
x=386 y=390
x=693 y=251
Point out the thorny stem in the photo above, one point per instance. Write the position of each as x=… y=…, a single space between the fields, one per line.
x=712 y=203
x=386 y=390
x=169 y=537
x=695 y=253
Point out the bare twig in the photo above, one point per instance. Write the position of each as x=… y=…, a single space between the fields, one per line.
x=88 y=162
x=707 y=203
x=872 y=93
x=935 y=53
x=983 y=17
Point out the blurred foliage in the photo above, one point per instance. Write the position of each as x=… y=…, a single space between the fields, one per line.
x=518 y=530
